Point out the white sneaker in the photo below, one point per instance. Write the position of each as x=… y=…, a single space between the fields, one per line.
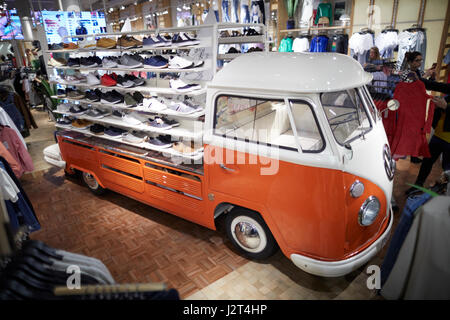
x=153 y=104
x=179 y=63
x=55 y=63
x=134 y=118
x=87 y=43
x=92 y=79
x=181 y=86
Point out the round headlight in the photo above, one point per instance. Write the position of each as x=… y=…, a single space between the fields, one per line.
x=357 y=189
x=369 y=211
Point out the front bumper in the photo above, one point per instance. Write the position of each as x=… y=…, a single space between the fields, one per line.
x=343 y=267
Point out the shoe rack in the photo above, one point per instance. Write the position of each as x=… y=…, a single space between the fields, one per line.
x=241 y=38
x=191 y=125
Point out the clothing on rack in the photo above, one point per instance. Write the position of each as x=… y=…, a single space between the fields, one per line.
x=414 y=122
x=319 y=44
x=226 y=11
x=408 y=41
x=386 y=42
x=338 y=43
x=258 y=14
x=306 y=12
x=26 y=113
x=286 y=44
x=6 y=120
x=421 y=269
x=15 y=166
x=360 y=44
x=324 y=10
x=300 y=44
x=19 y=212
x=7 y=103
x=245 y=11
x=11 y=141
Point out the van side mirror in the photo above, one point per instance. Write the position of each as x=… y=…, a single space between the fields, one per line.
x=393 y=105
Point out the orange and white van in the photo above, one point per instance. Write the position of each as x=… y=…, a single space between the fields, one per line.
x=295 y=157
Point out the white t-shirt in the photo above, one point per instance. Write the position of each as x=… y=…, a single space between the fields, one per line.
x=307 y=11
x=300 y=45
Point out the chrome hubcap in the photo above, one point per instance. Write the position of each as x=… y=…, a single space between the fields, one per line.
x=247 y=234
x=90 y=180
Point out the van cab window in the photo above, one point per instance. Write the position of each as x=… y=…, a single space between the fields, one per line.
x=346 y=115
x=267 y=122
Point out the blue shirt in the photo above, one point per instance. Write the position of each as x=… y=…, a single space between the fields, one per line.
x=319 y=44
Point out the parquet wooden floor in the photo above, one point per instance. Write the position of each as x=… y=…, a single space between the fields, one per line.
x=136 y=242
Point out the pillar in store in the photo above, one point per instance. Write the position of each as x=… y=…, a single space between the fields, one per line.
x=69 y=5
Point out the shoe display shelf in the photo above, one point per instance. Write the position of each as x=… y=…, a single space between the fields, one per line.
x=144 y=89
x=141 y=109
x=187 y=129
x=154 y=70
x=262 y=38
x=166 y=152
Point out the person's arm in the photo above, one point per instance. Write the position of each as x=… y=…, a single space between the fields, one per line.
x=436 y=86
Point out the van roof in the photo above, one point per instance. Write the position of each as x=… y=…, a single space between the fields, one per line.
x=291 y=72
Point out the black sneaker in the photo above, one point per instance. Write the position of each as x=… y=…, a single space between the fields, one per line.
x=60 y=93
x=171 y=122
x=73 y=62
x=111 y=97
x=233 y=50
x=137 y=81
x=97 y=129
x=93 y=96
x=124 y=82
x=138 y=97
x=117 y=114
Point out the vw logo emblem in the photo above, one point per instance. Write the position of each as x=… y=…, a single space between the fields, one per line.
x=389 y=164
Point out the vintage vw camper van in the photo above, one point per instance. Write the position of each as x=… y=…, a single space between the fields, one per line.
x=295 y=158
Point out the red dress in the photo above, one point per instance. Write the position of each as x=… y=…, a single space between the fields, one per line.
x=414 y=120
x=389 y=118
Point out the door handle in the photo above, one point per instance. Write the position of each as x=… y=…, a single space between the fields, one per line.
x=226 y=168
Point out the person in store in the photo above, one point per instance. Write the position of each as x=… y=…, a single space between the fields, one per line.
x=374 y=63
x=439 y=142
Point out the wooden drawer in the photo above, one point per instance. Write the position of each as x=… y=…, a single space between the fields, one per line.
x=173 y=181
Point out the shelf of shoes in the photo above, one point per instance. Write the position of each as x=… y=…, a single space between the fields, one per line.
x=154 y=70
x=238 y=36
x=152 y=90
x=167 y=152
x=139 y=108
x=187 y=129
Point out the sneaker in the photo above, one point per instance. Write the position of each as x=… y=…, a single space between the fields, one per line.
x=180 y=86
x=97 y=113
x=178 y=41
x=93 y=95
x=181 y=107
x=137 y=81
x=126 y=61
x=64 y=121
x=133 y=118
x=109 y=62
x=81 y=123
x=106 y=43
x=73 y=62
x=129 y=101
x=134 y=137
x=138 y=97
x=55 y=46
x=167 y=42
x=160 y=141
x=159 y=123
x=123 y=82
x=108 y=81
x=179 y=63
x=87 y=43
x=192 y=41
x=60 y=93
x=156 y=62
x=125 y=42
x=70 y=46
x=153 y=42
x=77 y=109
x=186 y=148
x=113 y=132
x=64 y=107
x=92 y=79
x=118 y=113
x=97 y=129
x=153 y=104
x=89 y=62
x=171 y=122
x=75 y=94
x=111 y=97
x=57 y=62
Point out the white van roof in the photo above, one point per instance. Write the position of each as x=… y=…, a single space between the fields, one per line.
x=291 y=72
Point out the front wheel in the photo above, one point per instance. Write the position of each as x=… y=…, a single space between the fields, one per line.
x=92 y=183
x=249 y=233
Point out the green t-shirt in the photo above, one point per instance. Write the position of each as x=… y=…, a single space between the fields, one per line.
x=286 y=45
x=324 y=10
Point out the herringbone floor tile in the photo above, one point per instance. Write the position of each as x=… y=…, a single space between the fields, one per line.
x=136 y=242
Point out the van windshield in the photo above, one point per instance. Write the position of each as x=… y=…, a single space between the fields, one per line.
x=346 y=114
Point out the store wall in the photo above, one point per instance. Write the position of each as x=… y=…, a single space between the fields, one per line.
x=407 y=14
